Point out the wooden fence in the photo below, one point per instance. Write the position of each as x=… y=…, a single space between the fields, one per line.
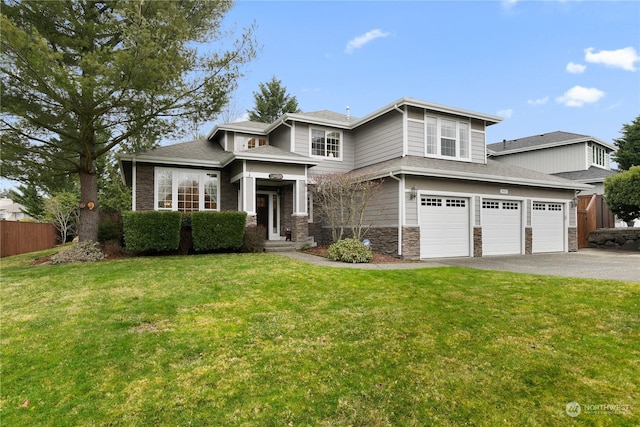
x=21 y=237
x=593 y=214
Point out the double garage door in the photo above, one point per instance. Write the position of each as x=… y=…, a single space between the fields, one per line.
x=445 y=227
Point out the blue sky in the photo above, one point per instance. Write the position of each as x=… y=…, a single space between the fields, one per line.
x=541 y=65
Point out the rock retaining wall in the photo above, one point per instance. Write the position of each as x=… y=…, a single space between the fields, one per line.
x=627 y=239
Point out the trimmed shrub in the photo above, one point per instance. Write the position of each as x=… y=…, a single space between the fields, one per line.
x=350 y=250
x=254 y=237
x=217 y=231
x=79 y=252
x=109 y=230
x=151 y=231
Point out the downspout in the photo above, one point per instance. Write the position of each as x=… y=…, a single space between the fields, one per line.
x=134 y=187
x=292 y=138
x=401 y=209
x=405 y=131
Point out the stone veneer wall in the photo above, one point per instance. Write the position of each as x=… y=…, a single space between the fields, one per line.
x=411 y=243
x=616 y=238
x=528 y=240
x=573 y=239
x=299 y=228
x=477 y=241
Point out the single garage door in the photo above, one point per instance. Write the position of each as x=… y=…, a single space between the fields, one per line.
x=547 y=226
x=501 y=227
x=444 y=227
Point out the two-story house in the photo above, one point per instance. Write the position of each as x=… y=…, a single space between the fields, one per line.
x=580 y=158
x=441 y=196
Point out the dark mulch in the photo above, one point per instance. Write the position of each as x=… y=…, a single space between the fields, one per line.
x=378 y=258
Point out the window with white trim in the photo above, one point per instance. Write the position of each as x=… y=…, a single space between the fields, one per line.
x=599 y=156
x=326 y=143
x=447 y=138
x=186 y=190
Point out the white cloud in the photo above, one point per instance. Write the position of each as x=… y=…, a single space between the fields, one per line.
x=360 y=41
x=508 y=4
x=506 y=113
x=577 y=96
x=539 y=101
x=574 y=68
x=620 y=58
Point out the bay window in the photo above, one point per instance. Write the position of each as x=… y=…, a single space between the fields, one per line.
x=447 y=138
x=186 y=190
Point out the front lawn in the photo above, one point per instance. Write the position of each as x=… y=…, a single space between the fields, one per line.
x=258 y=339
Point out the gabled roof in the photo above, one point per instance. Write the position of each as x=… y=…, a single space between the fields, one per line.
x=200 y=152
x=493 y=171
x=342 y=121
x=591 y=175
x=542 y=141
x=208 y=153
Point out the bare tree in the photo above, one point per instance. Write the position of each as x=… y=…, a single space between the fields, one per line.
x=342 y=202
x=62 y=210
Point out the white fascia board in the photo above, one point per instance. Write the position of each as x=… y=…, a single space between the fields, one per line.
x=231 y=128
x=439 y=173
x=432 y=107
x=171 y=161
x=311 y=120
x=270 y=158
x=552 y=145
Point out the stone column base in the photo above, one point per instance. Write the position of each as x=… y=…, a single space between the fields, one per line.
x=299 y=228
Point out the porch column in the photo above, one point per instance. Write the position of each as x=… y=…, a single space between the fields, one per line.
x=248 y=198
x=299 y=220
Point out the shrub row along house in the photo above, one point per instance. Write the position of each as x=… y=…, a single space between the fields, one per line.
x=441 y=196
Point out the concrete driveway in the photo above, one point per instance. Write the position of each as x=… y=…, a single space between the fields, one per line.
x=586 y=263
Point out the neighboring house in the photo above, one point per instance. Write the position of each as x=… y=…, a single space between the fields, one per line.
x=580 y=158
x=441 y=196
x=12 y=211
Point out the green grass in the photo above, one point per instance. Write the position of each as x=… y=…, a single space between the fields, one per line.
x=226 y=340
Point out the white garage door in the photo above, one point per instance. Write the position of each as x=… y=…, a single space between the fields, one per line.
x=444 y=227
x=501 y=227
x=547 y=224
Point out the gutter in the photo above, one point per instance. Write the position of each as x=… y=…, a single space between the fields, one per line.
x=401 y=210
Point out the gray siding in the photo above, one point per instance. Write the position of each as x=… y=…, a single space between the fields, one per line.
x=302 y=146
x=551 y=160
x=379 y=140
x=478 y=144
x=275 y=168
x=281 y=138
x=416 y=137
x=382 y=210
x=411 y=210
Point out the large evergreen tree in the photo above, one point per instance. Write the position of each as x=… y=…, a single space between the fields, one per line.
x=272 y=101
x=81 y=77
x=628 y=153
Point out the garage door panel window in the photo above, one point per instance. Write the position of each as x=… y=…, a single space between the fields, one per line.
x=431 y=202
x=456 y=203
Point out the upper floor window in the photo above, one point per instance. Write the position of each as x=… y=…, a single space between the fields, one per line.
x=256 y=142
x=186 y=190
x=326 y=143
x=599 y=156
x=447 y=138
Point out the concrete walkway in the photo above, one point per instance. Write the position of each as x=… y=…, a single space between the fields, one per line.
x=586 y=263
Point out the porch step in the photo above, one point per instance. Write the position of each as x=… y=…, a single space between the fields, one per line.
x=279 y=246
